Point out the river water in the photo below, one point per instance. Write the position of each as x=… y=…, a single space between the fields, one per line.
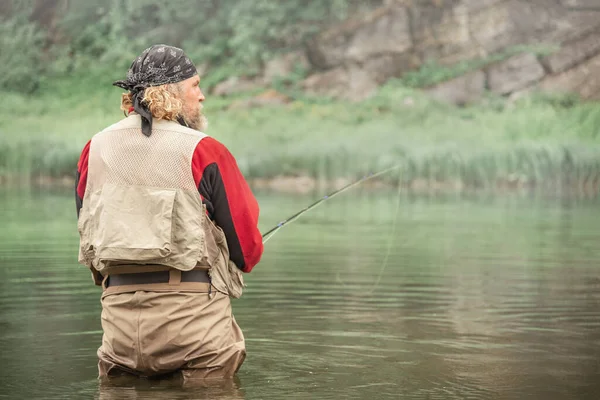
x=373 y=295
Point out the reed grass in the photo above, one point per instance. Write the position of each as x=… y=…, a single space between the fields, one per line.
x=534 y=142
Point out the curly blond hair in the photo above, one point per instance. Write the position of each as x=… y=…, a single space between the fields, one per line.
x=164 y=101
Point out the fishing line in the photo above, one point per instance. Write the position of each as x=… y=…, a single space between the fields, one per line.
x=271 y=232
x=391 y=236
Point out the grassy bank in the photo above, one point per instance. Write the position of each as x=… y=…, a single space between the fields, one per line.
x=549 y=142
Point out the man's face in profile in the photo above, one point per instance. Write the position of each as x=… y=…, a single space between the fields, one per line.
x=192 y=98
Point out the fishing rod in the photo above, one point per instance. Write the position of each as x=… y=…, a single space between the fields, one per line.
x=269 y=234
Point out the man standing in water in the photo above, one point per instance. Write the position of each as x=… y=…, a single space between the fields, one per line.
x=167 y=225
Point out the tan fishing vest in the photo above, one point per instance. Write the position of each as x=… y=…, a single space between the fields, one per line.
x=142 y=208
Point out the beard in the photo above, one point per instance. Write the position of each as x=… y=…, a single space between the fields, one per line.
x=195 y=118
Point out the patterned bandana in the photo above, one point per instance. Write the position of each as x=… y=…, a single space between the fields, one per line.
x=157 y=65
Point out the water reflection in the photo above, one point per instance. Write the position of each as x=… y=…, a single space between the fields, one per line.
x=476 y=297
x=128 y=388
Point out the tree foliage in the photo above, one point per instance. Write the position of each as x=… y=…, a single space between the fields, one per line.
x=20 y=48
x=241 y=33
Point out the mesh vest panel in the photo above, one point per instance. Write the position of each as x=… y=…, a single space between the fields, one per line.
x=141 y=204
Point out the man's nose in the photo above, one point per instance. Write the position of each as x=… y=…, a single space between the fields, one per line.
x=201 y=97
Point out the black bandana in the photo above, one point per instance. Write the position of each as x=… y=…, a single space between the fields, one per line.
x=157 y=65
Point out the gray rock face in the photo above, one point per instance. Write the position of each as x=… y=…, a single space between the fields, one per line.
x=492 y=28
x=583 y=79
x=402 y=35
x=284 y=65
x=476 y=5
x=463 y=90
x=350 y=82
x=587 y=4
x=442 y=33
x=234 y=85
x=389 y=34
x=573 y=53
x=384 y=32
x=332 y=83
x=516 y=73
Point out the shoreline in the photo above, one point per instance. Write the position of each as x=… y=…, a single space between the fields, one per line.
x=304 y=185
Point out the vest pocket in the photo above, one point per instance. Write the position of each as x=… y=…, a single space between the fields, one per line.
x=225 y=276
x=135 y=224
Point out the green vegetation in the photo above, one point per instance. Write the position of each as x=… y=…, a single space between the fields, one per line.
x=57 y=93
x=547 y=141
x=41 y=40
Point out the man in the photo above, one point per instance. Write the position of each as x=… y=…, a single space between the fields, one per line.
x=167 y=225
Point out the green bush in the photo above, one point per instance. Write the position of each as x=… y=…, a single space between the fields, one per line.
x=241 y=34
x=21 y=64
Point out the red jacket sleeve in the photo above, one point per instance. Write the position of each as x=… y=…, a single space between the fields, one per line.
x=81 y=176
x=80 y=183
x=229 y=201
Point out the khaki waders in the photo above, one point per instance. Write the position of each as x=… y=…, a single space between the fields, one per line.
x=155 y=329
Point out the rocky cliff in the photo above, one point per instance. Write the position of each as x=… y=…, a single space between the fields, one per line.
x=352 y=59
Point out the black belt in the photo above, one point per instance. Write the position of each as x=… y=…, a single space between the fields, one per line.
x=142 y=278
